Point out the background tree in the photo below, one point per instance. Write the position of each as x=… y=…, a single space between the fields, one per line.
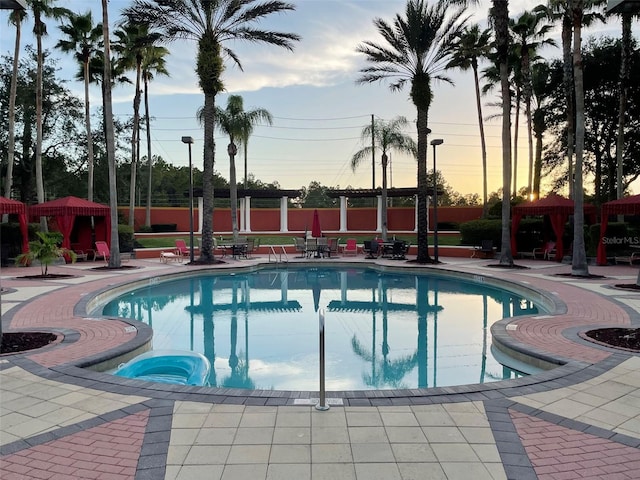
x=470 y=47
x=16 y=18
x=212 y=25
x=153 y=62
x=417 y=50
x=82 y=39
x=387 y=137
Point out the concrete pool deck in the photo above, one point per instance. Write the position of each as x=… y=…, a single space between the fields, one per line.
x=580 y=420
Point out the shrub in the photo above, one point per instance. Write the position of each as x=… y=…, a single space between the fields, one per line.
x=473 y=232
x=164 y=227
x=145 y=229
x=125 y=238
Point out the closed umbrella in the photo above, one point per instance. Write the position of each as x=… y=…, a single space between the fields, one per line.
x=316 y=231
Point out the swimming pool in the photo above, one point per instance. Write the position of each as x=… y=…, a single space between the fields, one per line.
x=384 y=330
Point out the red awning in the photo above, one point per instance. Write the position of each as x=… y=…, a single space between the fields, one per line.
x=8 y=206
x=623 y=206
x=69 y=206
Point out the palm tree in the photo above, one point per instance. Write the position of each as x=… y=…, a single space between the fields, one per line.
x=624 y=89
x=471 y=46
x=133 y=40
x=153 y=61
x=541 y=89
x=114 y=259
x=417 y=51
x=16 y=18
x=42 y=9
x=385 y=136
x=236 y=123
x=530 y=36
x=500 y=19
x=82 y=38
x=212 y=24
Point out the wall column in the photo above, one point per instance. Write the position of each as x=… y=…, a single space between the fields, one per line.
x=242 y=214
x=343 y=213
x=200 y=215
x=415 y=227
x=379 y=214
x=247 y=214
x=284 y=219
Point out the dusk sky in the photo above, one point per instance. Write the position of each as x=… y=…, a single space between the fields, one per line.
x=318 y=108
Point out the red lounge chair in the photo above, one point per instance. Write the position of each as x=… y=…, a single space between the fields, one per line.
x=181 y=248
x=351 y=248
x=102 y=251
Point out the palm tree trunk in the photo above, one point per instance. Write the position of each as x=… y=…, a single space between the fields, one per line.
x=147 y=218
x=39 y=177
x=114 y=260
x=579 y=265
x=624 y=86
x=232 y=150
x=12 y=113
x=134 y=149
x=483 y=142
x=516 y=130
x=423 y=234
x=530 y=142
x=206 y=254
x=87 y=122
x=385 y=160
x=500 y=13
x=567 y=80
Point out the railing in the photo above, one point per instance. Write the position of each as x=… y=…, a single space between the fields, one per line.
x=277 y=256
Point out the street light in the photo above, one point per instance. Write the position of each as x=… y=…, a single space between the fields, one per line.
x=435 y=142
x=189 y=141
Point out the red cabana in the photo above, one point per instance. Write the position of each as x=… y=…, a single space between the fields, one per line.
x=624 y=206
x=557 y=208
x=70 y=212
x=8 y=206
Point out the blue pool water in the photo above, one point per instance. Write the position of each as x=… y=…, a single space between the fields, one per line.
x=383 y=330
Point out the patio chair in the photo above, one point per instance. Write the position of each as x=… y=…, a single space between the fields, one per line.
x=546 y=252
x=485 y=250
x=333 y=247
x=300 y=245
x=251 y=247
x=310 y=246
x=102 y=251
x=182 y=249
x=351 y=248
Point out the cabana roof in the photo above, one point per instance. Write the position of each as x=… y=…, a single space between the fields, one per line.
x=551 y=204
x=9 y=206
x=69 y=206
x=624 y=206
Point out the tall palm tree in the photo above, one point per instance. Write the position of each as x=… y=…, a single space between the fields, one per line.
x=211 y=23
x=42 y=9
x=387 y=137
x=530 y=35
x=153 y=62
x=235 y=122
x=417 y=51
x=499 y=15
x=471 y=46
x=132 y=41
x=82 y=38
x=107 y=105
x=624 y=89
x=16 y=18
x=540 y=82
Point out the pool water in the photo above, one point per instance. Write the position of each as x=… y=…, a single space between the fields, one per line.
x=260 y=330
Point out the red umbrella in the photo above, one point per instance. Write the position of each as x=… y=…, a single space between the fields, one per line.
x=316 y=231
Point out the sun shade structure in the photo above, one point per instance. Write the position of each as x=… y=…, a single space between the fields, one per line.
x=558 y=209
x=14 y=207
x=624 y=206
x=70 y=212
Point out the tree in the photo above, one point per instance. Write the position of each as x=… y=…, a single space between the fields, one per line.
x=540 y=88
x=387 y=137
x=471 y=46
x=417 y=51
x=212 y=24
x=114 y=258
x=42 y=9
x=530 y=36
x=500 y=18
x=624 y=91
x=133 y=40
x=45 y=250
x=153 y=62
x=235 y=122
x=16 y=18
x=82 y=38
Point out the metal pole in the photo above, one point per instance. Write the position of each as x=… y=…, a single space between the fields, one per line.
x=190 y=208
x=322 y=403
x=435 y=206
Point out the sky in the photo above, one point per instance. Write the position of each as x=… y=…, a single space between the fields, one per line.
x=318 y=108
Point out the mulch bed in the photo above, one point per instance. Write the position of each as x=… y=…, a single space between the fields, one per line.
x=48 y=276
x=626 y=338
x=14 y=342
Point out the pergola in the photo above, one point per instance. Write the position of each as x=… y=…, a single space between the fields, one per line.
x=624 y=206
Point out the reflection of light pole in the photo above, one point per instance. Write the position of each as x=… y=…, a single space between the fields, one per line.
x=189 y=141
x=435 y=142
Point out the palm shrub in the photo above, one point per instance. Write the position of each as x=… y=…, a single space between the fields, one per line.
x=46 y=249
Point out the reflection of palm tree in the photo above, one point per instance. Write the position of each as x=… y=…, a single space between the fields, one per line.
x=206 y=308
x=239 y=377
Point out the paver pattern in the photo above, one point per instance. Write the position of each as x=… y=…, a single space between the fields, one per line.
x=578 y=421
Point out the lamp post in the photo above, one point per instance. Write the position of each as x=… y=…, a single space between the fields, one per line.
x=189 y=141
x=435 y=142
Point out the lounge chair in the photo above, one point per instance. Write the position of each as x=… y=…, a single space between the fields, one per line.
x=485 y=250
x=301 y=247
x=102 y=251
x=351 y=248
x=182 y=249
x=546 y=252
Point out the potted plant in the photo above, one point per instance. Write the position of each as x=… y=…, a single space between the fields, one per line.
x=45 y=250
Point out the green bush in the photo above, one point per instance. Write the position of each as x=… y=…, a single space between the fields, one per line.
x=473 y=232
x=125 y=238
x=164 y=227
x=145 y=229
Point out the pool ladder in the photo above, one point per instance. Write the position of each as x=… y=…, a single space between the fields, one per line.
x=277 y=256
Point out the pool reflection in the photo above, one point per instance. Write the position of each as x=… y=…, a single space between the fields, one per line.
x=264 y=325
